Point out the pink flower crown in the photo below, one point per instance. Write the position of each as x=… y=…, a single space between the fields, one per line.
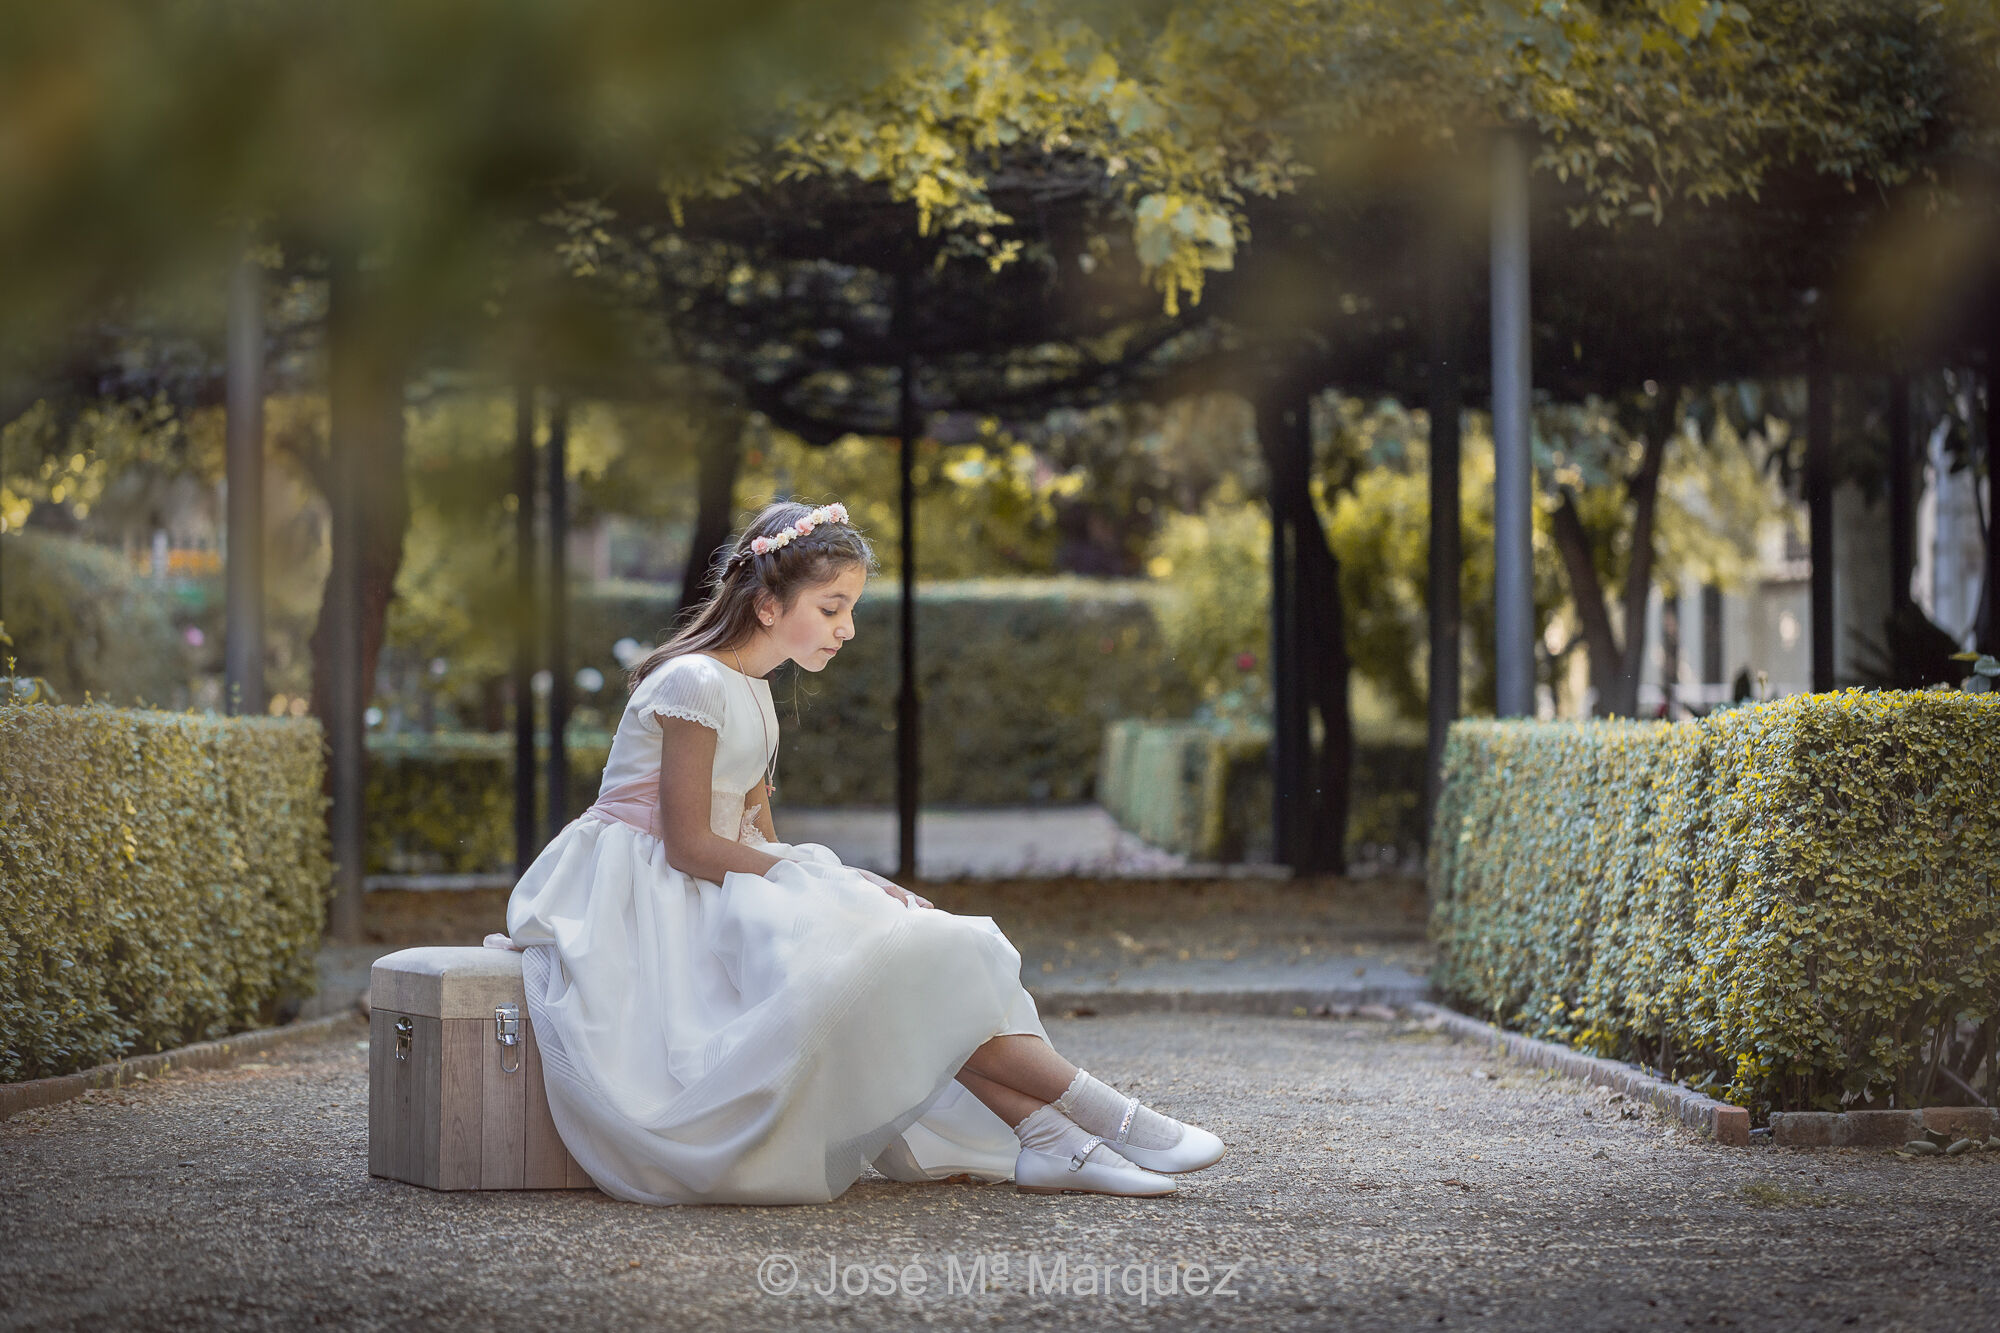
x=833 y=513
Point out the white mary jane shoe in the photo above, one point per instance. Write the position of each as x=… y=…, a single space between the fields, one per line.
x=1195 y=1149
x=1046 y=1173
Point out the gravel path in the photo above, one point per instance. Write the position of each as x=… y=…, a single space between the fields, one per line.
x=1380 y=1176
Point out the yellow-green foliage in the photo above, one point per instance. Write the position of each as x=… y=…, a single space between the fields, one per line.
x=444 y=804
x=163 y=879
x=1785 y=902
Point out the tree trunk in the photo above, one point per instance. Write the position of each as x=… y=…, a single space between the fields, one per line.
x=1310 y=667
x=721 y=457
x=1323 y=626
x=366 y=493
x=384 y=519
x=1615 y=666
x=1600 y=638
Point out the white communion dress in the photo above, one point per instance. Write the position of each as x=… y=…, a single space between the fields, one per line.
x=764 y=1039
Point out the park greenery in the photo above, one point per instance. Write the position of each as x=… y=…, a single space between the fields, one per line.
x=1081 y=232
x=1785 y=904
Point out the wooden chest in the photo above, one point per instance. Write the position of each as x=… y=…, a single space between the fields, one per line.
x=455 y=1099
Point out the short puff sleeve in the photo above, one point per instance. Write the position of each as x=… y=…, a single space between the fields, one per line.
x=690 y=686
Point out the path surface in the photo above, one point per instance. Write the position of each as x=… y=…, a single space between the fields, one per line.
x=1243 y=944
x=1380 y=1177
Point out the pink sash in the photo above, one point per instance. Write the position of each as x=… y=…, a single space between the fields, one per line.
x=635 y=804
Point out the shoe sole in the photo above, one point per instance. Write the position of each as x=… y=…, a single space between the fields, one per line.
x=1058 y=1189
x=1182 y=1171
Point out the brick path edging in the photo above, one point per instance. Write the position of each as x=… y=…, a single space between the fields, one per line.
x=1879 y=1129
x=217 y=1054
x=1722 y=1122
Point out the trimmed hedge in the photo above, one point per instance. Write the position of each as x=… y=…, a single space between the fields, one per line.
x=1794 y=904
x=1018 y=678
x=163 y=879
x=444 y=803
x=85 y=622
x=1205 y=792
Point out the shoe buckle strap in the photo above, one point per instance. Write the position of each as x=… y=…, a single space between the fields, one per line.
x=1076 y=1158
x=1125 y=1123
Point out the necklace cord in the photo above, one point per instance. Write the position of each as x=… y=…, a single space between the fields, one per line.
x=771 y=760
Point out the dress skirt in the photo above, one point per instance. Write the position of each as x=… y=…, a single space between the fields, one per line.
x=762 y=1040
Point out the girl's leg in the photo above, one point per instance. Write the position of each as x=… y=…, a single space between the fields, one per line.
x=1024 y=1063
x=1030 y=1068
x=1003 y=1101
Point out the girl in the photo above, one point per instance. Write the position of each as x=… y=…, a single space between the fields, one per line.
x=727 y=1018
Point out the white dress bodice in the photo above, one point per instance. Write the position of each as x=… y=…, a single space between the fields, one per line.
x=737 y=707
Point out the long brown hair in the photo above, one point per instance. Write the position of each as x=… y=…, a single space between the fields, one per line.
x=728 y=619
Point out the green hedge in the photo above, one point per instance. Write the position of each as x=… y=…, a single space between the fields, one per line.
x=1018 y=679
x=163 y=879
x=1205 y=792
x=444 y=803
x=81 y=619
x=1793 y=904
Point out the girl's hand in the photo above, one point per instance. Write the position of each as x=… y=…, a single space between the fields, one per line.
x=896 y=891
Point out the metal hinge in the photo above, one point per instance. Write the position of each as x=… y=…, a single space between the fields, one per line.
x=507 y=1031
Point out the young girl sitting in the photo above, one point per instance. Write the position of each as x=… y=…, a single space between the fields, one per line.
x=727 y=1018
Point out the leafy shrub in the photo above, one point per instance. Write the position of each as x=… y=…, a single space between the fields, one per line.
x=84 y=622
x=1204 y=790
x=444 y=803
x=1019 y=678
x=1794 y=902
x=163 y=879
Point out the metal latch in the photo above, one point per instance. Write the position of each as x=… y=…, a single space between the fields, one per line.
x=507 y=1031
x=405 y=1028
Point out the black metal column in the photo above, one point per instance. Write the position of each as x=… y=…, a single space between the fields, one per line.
x=349 y=390
x=1989 y=633
x=243 y=635
x=1819 y=502
x=525 y=845
x=908 y=707
x=1446 y=555
x=1902 y=497
x=1285 y=439
x=557 y=781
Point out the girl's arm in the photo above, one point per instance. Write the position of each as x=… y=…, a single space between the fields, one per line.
x=763 y=817
x=687 y=767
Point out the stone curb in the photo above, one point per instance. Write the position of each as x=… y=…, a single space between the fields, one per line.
x=1722 y=1122
x=1297 y=1002
x=217 y=1054
x=1879 y=1129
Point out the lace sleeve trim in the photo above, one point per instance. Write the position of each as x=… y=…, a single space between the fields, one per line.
x=684 y=711
x=750 y=833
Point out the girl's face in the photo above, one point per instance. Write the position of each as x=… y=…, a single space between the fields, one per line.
x=821 y=619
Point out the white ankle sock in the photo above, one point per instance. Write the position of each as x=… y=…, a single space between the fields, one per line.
x=1100 y=1108
x=1050 y=1131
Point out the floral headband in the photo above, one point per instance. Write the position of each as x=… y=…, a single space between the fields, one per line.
x=833 y=513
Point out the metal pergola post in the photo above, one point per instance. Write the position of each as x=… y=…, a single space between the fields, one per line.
x=1446 y=554
x=1902 y=497
x=557 y=781
x=525 y=845
x=1819 y=504
x=1513 y=460
x=908 y=709
x=347 y=693
x=243 y=634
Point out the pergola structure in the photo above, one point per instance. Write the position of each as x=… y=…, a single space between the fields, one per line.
x=1606 y=313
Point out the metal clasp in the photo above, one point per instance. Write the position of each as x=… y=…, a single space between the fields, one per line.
x=507 y=1031
x=406 y=1028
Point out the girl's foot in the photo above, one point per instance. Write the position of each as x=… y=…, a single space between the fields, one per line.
x=1059 y=1157
x=1137 y=1132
